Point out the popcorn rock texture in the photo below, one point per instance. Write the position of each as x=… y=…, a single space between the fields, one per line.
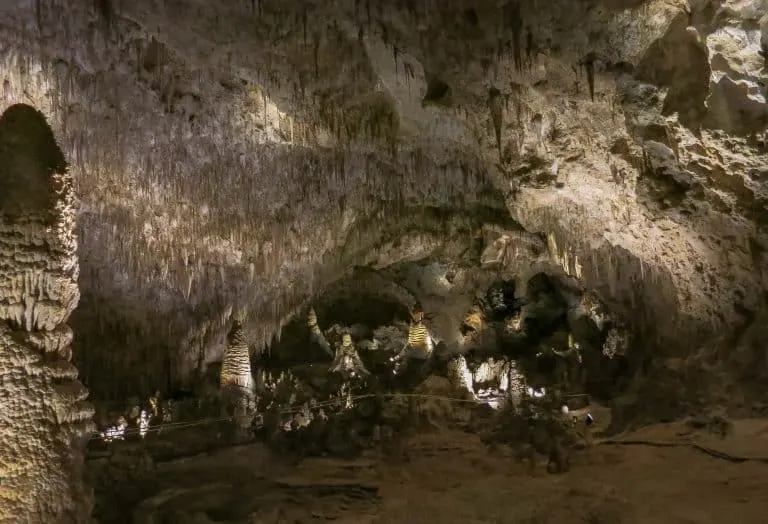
x=45 y=418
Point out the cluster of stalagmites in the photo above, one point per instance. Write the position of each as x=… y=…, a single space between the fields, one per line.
x=493 y=379
x=45 y=418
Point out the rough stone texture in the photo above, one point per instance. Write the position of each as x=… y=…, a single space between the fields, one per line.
x=236 y=366
x=45 y=418
x=239 y=157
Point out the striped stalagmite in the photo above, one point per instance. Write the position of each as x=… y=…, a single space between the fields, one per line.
x=418 y=337
x=236 y=368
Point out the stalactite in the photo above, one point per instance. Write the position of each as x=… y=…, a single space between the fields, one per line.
x=529 y=46
x=496 y=108
x=589 y=66
x=514 y=23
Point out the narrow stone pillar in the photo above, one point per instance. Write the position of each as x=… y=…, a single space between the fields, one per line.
x=45 y=419
x=236 y=378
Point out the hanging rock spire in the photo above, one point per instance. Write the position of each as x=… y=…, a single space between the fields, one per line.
x=496 y=108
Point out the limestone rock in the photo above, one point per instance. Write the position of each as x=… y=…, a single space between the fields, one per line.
x=45 y=419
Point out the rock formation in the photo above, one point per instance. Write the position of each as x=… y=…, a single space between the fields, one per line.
x=245 y=156
x=236 y=366
x=236 y=378
x=419 y=340
x=347 y=360
x=317 y=334
x=45 y=419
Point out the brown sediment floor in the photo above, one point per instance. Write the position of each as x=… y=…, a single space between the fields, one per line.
x=452 y=477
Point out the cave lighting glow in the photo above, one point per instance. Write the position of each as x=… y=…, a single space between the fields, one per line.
x=143 y=423
x=537 y=392
x=116 y=432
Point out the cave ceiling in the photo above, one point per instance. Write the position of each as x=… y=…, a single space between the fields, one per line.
x=234 y=159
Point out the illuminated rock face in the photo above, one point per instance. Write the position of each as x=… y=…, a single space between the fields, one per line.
x=45 y=419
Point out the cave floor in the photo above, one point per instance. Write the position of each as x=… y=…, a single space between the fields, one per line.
x=451 y=476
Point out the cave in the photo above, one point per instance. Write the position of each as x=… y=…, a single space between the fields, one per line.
x=267 y=262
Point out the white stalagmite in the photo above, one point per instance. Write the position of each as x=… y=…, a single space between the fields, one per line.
x=460 y=375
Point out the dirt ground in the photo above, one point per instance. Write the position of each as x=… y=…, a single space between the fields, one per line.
x=451 y=477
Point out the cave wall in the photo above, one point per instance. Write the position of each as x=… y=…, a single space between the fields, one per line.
x=664 y=214
x=45 y=419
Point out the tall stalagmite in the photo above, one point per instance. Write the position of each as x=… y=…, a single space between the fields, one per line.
x=45 y=419
x=236 y=368
x=236 y=378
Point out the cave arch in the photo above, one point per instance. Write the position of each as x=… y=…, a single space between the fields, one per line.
x=364 y=297
x=361 y=301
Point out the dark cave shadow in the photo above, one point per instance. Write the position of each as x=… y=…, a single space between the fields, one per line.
x=29 y=156
x=679 y=62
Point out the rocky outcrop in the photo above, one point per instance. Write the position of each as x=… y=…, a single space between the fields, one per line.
x=45 y=418
x=664 y=213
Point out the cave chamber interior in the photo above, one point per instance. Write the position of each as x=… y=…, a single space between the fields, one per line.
x=277 y=261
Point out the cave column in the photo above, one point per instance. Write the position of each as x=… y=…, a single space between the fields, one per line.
x=45 y=419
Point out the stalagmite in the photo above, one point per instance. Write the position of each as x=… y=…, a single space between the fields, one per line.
x=236 y=368
x=46 y=419
x=459 y=374
x=236 y=378
x=347 y=361
x=317 y=334
x=420 y=342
